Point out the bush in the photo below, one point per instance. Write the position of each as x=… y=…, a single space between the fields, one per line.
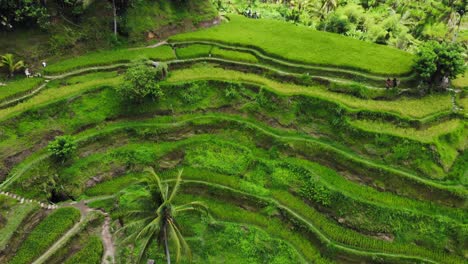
x=62 y=147
x=336 y=24
x=142 y=81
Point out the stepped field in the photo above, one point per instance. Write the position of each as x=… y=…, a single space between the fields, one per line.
x=289 y=147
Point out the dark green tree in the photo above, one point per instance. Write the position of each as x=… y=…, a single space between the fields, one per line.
x=436 y=61
x=62 y=147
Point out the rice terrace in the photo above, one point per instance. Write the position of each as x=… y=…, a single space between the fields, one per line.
x=233 y=131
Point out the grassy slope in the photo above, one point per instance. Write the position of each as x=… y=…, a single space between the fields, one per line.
x=45 y=234
x=109 y=57
x=18 y=86
x=410 y=107
x=304 y=45
x=427 y=135
x=15 y=215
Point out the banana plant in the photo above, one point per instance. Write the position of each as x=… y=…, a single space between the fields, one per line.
x=8 y=61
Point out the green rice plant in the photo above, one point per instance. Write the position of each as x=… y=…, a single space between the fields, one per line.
x=303 y=45
x=193 y=51
x=91 y=252
x=14 y=217
x=111 y=186
x=426 y=135
x=18 y=87
x=405 y=107
x=233 y=55
x=45 y=234
x=55 y=94
x=100 y=58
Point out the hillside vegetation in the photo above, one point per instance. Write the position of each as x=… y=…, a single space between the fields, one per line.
x=252 y=141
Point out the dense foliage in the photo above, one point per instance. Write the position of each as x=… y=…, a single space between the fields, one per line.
x=142 y=81
x=62 y=147
x=437 y=62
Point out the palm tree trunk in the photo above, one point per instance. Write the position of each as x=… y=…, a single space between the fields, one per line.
x=115 y=17
x=166 y=246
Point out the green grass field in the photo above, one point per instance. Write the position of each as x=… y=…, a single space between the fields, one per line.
x=19 y=86
x=300 y=44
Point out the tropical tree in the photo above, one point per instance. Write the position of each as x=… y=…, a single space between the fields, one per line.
x=155 y=220
x=439 y=61
x=327 y=7
x=8 y=61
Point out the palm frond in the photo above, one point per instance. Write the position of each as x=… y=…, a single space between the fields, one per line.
x=181 y=239
x=175 y=238
x=176 y=186
x=192 y=206
x=144 y=248
x=150 y=229
x=154 y=178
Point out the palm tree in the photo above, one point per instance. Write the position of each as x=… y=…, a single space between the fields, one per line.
x=8 y=61
x=327 y=7
x=156 y=219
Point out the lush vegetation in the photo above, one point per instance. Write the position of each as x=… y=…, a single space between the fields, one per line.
x=253 y=141
x=300 y=44
x=45 y=234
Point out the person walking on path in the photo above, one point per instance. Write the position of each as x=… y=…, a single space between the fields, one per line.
x=395 y=82
x=388 y=83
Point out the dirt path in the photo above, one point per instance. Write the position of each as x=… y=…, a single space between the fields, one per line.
x=106 y=236
x=108 y=257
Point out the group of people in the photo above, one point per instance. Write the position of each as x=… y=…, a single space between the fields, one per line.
x=29 y=74
x=248 y=13
x=391 y=83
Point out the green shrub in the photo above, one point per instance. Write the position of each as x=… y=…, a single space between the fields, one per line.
x=62 y=147
x=45 y=234
x=315 y=191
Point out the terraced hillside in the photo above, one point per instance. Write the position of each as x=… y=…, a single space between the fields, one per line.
x=293 y=145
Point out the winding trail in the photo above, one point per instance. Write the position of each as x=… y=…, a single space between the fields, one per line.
x=85 y=210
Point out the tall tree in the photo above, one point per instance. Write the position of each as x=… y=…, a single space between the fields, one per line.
x=437 y=62
x=156 y=220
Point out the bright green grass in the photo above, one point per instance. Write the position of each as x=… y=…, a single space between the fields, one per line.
x=45 y=234
x=233 y=55
x=19 y=86
x=461 y=81
x=231 y=213
x=56 y=93
x=110 y=56
x=427 y=135
x=15 y=217
x=301 y=44
x=90 y=254
x=408 y=107
x=111 y=186
x=193 y=51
